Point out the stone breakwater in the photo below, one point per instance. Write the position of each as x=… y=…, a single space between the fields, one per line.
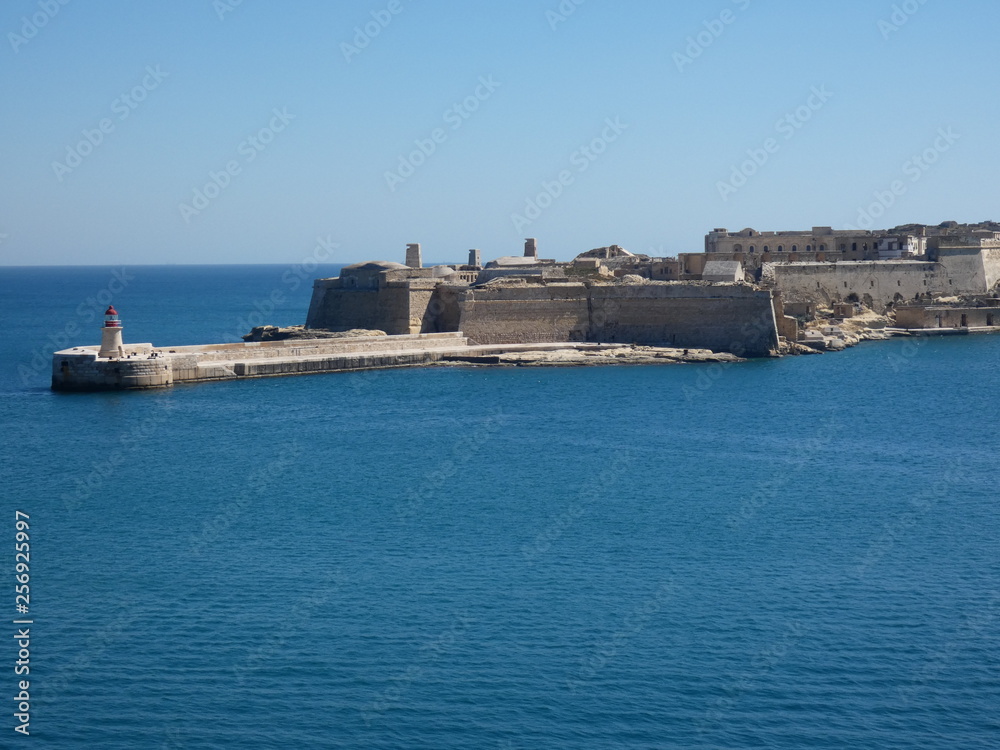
x=145 y=366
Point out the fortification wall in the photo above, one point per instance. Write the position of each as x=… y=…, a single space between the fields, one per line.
x=418 y=309
x=398 y=308
x=723 y=317
x=965 y=267
x=991 y=266
x=337 y=308
x=443 y=314
x=525 y=314
x=875 y=283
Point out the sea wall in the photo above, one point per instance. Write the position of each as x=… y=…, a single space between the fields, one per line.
x=917 y=317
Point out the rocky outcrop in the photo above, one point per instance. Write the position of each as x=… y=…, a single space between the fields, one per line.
x=278 y=333
x=588 y=356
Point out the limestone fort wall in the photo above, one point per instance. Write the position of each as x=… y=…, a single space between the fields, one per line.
x=531 y=313
x=722 y=317
x=876 y=283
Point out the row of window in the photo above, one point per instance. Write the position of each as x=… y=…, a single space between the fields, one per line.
x=795 y=248
x=898 y=283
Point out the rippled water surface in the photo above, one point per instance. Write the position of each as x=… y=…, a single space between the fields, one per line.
x=784 y=554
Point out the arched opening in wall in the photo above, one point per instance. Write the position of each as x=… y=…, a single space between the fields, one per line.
x=737 y=248
x=781 y=248
x=767 y=249
x=753 y=249
x=852 y=297
x=809 y=248
x=795 y=248
x=822 y=248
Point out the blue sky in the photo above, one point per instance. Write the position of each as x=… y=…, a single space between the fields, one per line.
x=643 y=123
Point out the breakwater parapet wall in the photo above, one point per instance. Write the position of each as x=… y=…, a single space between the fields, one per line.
x=145 y=366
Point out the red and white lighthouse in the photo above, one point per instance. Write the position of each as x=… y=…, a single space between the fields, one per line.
x=111 y=335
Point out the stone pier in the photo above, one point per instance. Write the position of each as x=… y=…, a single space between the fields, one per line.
x=146 y=366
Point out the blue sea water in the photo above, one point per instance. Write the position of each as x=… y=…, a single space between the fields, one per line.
x=784 y=554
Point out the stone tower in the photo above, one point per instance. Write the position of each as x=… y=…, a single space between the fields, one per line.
x=111 y=335
x=413 y=259
x=475 y=258
x=531 y=248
